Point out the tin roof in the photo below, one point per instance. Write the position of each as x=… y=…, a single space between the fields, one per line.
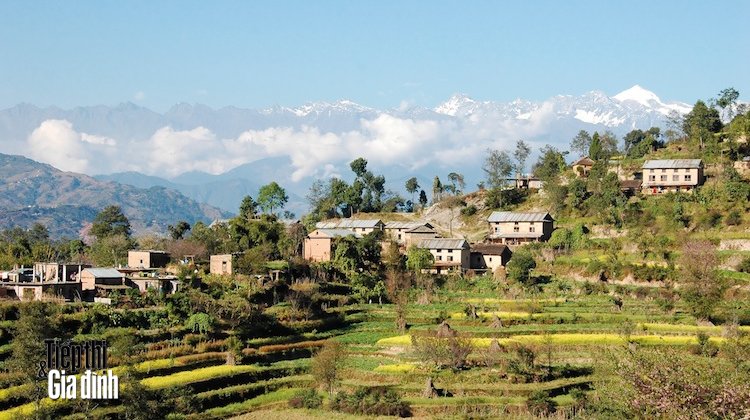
x=672 y=163
x=422 y=229
x=109 y=273
x=406 y=225
x=489 y=249
x=443 y=243
x=349 y=224
x=516 y=235
x=512 y=216
x=334 y=233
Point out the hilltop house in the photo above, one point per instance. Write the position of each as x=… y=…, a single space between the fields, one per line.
x=582 y=167
x=318 y=244
x=489 y=257
x=671 y=175
x=222 y=263
x=97 y=282
x=513 y=228
x=362 y=227
x=409 y=233
x=450 y=254
x=148 y=259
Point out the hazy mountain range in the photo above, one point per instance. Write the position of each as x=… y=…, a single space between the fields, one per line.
x=217 y=156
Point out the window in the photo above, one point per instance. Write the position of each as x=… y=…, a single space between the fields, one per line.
x=688 y=178
x=490 y=259
x=515 y=229
x=399 y=236
x=439 y=250
x=675 y=177
x=439 y=258
x=532 y=229
x=663 y=177
x=651 y=170
x=663 y=170
x=450 y=257
x=652 y=177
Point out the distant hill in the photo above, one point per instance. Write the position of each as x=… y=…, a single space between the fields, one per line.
x=65 y=202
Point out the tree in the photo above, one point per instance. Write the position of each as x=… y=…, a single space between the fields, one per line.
x=110 y=222
x=457 y=182
x=111 y=251
x=272 y=196
x=520 y=155
x=550 y=164
x=727 y=101
x=581 y=143
x=701 y=123
x=359 y=167
x=397 y=283
x=596 y=151
x=417 y=260
x=437 y=190
x=422 y=198
x=327 y=363
x=520 y=266
x=412 y=186
x=702 y=286
x=177 y=231
x=497 y=168
x=248 y=208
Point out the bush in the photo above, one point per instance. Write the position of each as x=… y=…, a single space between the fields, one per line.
x=541 y=404
x=734 y=218
x=520 y=266
x=744 y=265
x=306 y=398
x=378 y=401
x=469 y=210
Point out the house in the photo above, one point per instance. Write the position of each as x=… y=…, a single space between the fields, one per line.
x=148 y=259
x=489 y=257
x=95 y=280
x=398 y=231
x=165 y=284
x=513 y=228
x=413 y=236
x=318 y=244
x=450 y=254
x=222 y=264
x=582 y=167
x=362 y=227
x=57 y=272
x=743 y=166
x=38 y=290
x=630 y=187
x=671 y=175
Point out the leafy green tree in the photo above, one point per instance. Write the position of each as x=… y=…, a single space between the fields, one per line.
x=412 y=186
x=177 y=231
x=520 y=266
x=727 y=101
x=422 y=198
x=111 y=251
x=110 y=222
x=702 y=286
x=272 y=196
x=497 y=168
x=581 y=143
x=520 y=155
x=701 y=123
x=248 y=208
x=457 y=182
x=437 y=189
x=326 y=365
x=596 y=152
x=550 y=164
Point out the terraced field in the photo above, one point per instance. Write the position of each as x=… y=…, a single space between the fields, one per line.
x=567 y=335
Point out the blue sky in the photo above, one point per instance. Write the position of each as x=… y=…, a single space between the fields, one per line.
x=378 y=53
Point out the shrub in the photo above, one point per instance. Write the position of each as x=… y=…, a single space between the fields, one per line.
x=469 y=210
x=326 y=364
x=379 y=401
x=520 y=266
x=443 y=349
x=541 y=404
x=306 y=398
x=744 y=265
x=734 y=218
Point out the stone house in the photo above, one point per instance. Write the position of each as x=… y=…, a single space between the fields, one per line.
x=489 y=257
x=513 y=228
x=450 y=254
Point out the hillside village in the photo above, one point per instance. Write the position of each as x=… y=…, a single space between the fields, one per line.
x=580 y=290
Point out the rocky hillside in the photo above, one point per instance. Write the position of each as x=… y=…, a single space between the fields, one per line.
x=66 y=202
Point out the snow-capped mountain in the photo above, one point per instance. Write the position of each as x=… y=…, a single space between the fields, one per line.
x=219 y=155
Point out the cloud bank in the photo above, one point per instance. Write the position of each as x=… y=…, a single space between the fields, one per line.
x=383 y=140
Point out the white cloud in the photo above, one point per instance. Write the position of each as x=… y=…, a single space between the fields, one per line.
x=139 y=96
x=57 y=143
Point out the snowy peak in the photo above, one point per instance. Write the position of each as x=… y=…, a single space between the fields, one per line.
x=638 y=94
x=648 y=99
x=454 y=104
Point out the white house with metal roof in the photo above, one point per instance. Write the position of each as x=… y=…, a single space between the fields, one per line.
x=513 y=228
x=361 y=226
x=671 y=175
x=450 y=254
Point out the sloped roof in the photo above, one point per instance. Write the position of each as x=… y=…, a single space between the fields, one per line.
x=490 y=249
x=334 y=233
x=498 y=235
x=444 y=243
x=422 y=229
x=586 y=161
x=109 y=273
x=348 y=224
x=512 y=216
x=405 y=225
x=672 y=163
